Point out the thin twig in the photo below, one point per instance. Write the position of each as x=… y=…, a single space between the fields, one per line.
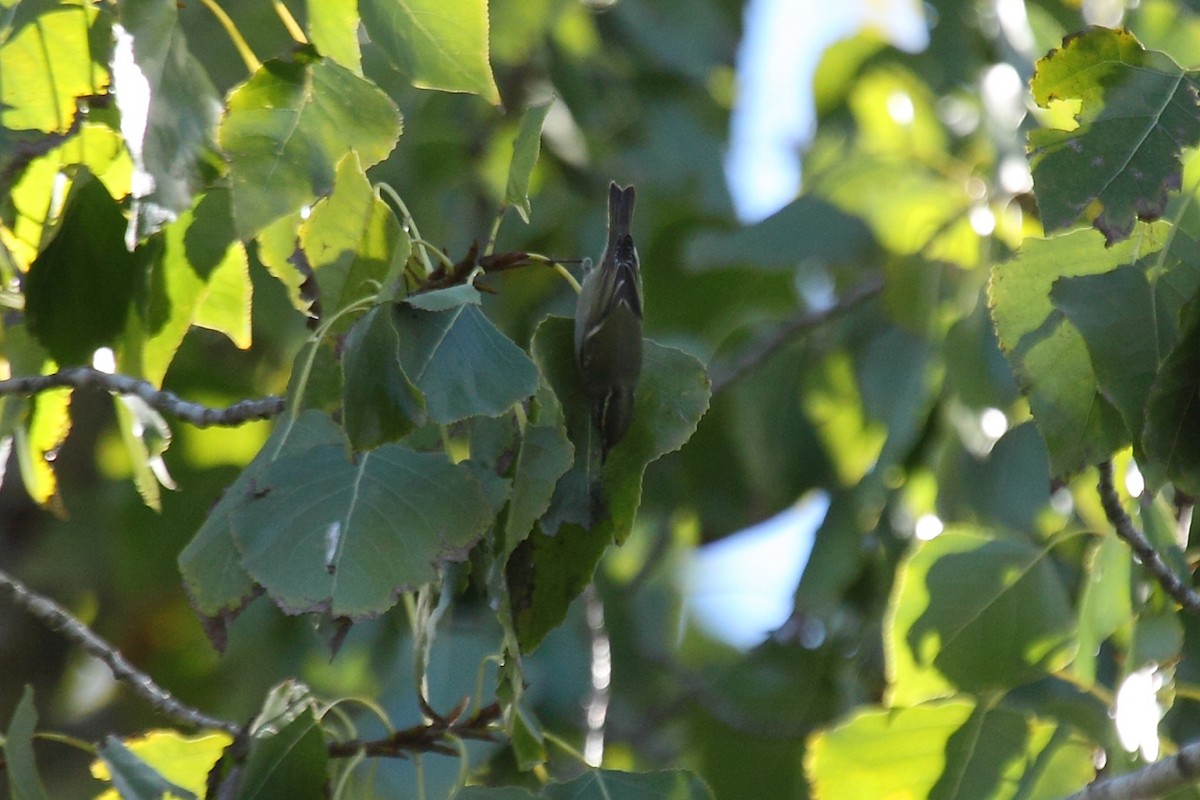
x=1185 y=595
x=436 y=736
x=762 y=350
x=1157 y=780
x=167 y=402
x=59 y=619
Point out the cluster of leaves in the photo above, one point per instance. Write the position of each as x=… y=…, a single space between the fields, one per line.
x=986 y=639
x=417 y=434
x=966 y=617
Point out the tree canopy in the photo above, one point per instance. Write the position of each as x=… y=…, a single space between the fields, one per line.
x=304 y=496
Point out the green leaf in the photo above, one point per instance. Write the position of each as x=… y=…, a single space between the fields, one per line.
x=1137 y=110
x=201 y=276
x=604 y=784
x=23 y=780
x=494 y=793
x=217 y=584
x=279 y=251
x=1105 y=602
x=323 y=533
x=333 y=29
x=146 y=437
x=947 y=750
x=52 y=55
x=462 y=363
x=1047 y=352
x=45 y=430
x=287 y=127
x=975 y=613
x=443 y=299
x=439 y=44
x=1130 y=320
x=78 y=291
x=169 y=110
x=526 y=147
x=37 y=190
x=352 y=239
x=545 y=456
x=834 y=403
x=287 y=765
x=381 y=403
x=671 y=398
x=133 y=778
x=1173 y=409
x=807 y=228
x=923 y=212
x=184 y=761
x=593 y=507
x=1114 y=312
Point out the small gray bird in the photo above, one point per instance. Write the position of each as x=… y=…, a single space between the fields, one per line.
x=608 y=326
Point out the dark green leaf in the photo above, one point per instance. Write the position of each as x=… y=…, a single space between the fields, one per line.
x=169 y=111
x=605 y=784
x=217 y=584
x=133 y=778
x=381 y=403
x=439 y=44
x=288 y=126
x=1138 y=110
x=78 y=292
x=593 y=505
x=462 y=363
x=324 y=534
x=546 y=454
x=445 y=299
x=1173 y=411
x=1105 y=602
x=974 y=613
x=494 y=793
x=23 y=779
x=524 y=158
x=808 y=228
x=1115 y=314
x=287 y=765
x=1047 y=352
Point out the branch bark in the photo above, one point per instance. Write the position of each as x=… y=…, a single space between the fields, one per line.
x=1185 y=595
x=59 y=619
x=1158 y=779
x=763 y=349
x=166 y=402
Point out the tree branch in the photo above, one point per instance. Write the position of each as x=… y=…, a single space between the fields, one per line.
x=762 y=350
x=164 y=401
x=1185 y=595
x=59 y=619
x=428 y=737
x=1158 y=779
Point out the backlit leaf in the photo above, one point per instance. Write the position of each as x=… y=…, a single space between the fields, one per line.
x=973 y=612
x=1138 y=110
x=524 y=158
x=439 y=44
x=287 y=127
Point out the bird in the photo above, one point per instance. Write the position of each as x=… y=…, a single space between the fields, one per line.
x=608 y=326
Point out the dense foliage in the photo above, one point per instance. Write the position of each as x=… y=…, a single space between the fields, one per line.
x=390 y=560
